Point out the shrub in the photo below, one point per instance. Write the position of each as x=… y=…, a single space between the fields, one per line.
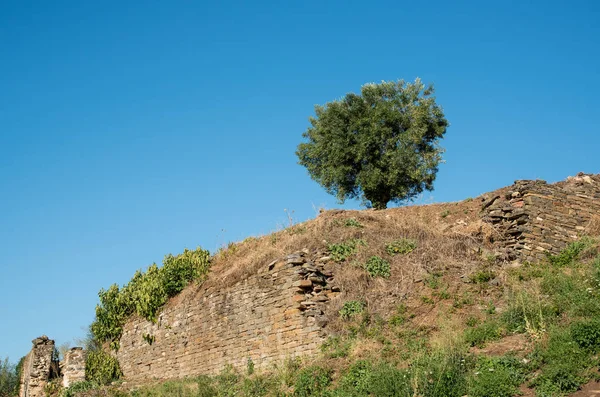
x=568 y=256
x=482 y=276
x=486 y=332
x=403 y=246
x=340 y=252
x=351 y=309
x=79 y=387
x=496 y=377
x=352 y=222
x=587 y=334
x=101 y=368
x=377 y=267
x=146 y=293
x=9 y=378
x=441 y=373
x=312 y=381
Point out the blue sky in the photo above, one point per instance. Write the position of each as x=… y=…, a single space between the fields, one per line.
x=129 y=130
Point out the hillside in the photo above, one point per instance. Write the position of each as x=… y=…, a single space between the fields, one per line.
x=496 y=295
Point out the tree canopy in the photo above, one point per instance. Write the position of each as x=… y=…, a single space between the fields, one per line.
x=379 y=146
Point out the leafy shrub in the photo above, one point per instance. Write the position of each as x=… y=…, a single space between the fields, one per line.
x=101 y=368
x=403 y=246
x=567 y=256
x=146 y=293
x=9 y=378
x=352 y=222
x=586 y=334
x=312 y=381
x=79 y=387
x=335 y=347
x=441 y=373
x=340 y=252
x=486 y=332
x=496 y=377
x=377 y=267
x=482 y=276
x=351 y=309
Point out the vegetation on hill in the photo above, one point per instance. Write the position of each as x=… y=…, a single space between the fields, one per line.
x=380 y=145
x=9 y=378
x=537 y=334
x=146 y=293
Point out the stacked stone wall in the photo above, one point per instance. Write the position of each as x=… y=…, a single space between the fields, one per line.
x=72 y=367
x=266 y=318
x=38 y=368
x=535 y=218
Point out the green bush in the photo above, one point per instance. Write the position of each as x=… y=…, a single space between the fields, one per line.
x=101 y=368
x=570 y=254
x=340 y=252
x=312 y=381
x=352 y=222
x=377 y=267
x=9 y=378
x=496 y=377
x=146 y=293
x=79 y=387
x=587 y=334
x=486 y=332
x=441 y=373
x=403 y=246
x=351 y=309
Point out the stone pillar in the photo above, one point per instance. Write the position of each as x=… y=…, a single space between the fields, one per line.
x=37 y=368
x=73 y=366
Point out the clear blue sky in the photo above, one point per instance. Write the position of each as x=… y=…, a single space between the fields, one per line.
x=129 y=130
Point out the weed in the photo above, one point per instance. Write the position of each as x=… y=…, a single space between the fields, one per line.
x=312 y=381
x=336 y=347
x=481 y=334
x=402 y=246
x=351 y=309
x=427 y=300
x=352 y=222
x=445 y=213
x=340 y=252
x=377 y=267
x=471 y=321
x=482 y=276
x=496 y=377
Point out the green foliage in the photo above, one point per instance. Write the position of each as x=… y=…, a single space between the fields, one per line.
x=479 y=335
x=561 y=364
x=441 y=373
x=351 y=309
x=340 y=252
x=364 y=378
x=146 y=293
x=101 y=368
x=79 y=387
x=352 y=222
x=587 y=334
x=402 y=246
x=312 y=381
x=9 y=379
x=496 y=377
x=482 y=276
x=249 y=366
x=377 y=267
x=445 y=213
x=336 y=347
x=570 y=253
x=381 y=145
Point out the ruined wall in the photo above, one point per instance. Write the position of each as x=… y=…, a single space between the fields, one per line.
x=72 y=367
x=38 y=367
x=534 y=217
x=265 y=318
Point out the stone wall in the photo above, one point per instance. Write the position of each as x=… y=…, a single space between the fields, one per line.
x=72 y=367
x=38 y=368
x=534 y=218
x=266 y=318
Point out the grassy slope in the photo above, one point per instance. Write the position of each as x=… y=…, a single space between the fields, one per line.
x=451 y=319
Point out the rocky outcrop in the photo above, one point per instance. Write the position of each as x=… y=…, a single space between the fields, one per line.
x=39 y=367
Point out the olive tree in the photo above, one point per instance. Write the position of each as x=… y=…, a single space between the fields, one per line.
x=380 y=145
